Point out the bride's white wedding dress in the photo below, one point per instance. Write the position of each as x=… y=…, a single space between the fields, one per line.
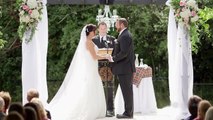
x=81 y=95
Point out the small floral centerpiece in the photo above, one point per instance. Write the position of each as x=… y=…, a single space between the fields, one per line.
x=30 y=13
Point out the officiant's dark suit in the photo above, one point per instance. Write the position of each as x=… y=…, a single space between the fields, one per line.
x=100 y=42
x=106 y=41
x=123 y=65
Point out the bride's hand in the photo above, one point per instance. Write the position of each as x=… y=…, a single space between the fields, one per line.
x=109 y=57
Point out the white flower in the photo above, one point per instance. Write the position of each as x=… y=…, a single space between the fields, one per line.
x=31 y=20
x=196 y=7
x=39 y=7
x=25 y=19
x=35 y=14
x=185 y=14
x=32 y=3
x=195 y=18
x=21 y=13
x=191 y=3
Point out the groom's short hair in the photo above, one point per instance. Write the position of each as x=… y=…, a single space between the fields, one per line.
x=123 y=21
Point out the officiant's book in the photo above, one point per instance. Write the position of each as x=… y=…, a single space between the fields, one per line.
x=104 y=51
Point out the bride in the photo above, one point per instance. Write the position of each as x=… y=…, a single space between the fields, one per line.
x=81 y=95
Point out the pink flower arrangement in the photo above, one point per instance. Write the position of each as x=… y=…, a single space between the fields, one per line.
x=25 y=7
x=186 y=11
x=182 y=3
x=29 y=15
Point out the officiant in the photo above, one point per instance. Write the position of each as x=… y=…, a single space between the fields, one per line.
x=106 y=41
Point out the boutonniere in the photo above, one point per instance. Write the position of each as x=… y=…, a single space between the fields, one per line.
x=116 y=41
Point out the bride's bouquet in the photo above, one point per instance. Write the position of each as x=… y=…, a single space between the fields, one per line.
x=30 y=13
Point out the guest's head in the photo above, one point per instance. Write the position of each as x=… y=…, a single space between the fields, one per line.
x=41 y=107
x=102 y=28
x=18 y=108
x=30 y=113
x=14 y=116
x=1 y=104
x=7 y=99
x=35 y=107
x=202 y=108
x=209 y=114
x=90 y=30
x=193 y=105
x=121 y=23
x=31 y=93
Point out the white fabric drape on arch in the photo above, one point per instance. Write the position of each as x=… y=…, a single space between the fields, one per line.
x=171 y=44
x=180 y=65
x=34 y=61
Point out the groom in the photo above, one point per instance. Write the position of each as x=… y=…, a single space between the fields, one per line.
x=123 y=65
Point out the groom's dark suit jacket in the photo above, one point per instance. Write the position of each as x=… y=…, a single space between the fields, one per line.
x=123 y=54
x=123 y=67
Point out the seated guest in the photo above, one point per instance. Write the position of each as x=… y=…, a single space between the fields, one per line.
x=193 y=106
x=2 y=114
x=41 y=108
x=203 y=106
x=209 y=114
x=33 y=93
x=17 y=107
x=7 y=100
x=36 y=108
x=14 y=116
x=30 y=113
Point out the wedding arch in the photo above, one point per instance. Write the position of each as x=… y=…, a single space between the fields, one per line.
x=34 y=55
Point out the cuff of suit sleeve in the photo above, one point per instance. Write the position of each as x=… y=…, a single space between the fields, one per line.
x=112 y=59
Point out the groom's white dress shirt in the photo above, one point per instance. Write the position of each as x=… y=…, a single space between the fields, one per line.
x=122 y=31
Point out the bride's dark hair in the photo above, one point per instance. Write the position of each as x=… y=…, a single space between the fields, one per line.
x=90 y=28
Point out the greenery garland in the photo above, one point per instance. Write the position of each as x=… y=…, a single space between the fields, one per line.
x=30 y=13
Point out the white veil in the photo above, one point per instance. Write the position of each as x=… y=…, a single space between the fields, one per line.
x=76 y=69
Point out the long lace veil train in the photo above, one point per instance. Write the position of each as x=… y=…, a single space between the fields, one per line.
x=75 y=69
x=75 y=77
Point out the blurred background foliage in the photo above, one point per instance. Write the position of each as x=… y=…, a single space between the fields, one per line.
x=147 y=23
